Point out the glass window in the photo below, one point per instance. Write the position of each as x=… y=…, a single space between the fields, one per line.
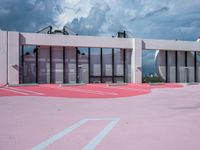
x=70 y=65
x=83 y=67
x=107 y=62
x=119 y=62
x=28 y=64
x=95 y=65
x=57 y=64
x=128 y=65
x=44 y=64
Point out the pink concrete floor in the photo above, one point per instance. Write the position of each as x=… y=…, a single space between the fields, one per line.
x=165 y=118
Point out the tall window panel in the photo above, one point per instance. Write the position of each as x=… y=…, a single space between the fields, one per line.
x=119 y=65
x=107 y=68
x=83 y=66
x=44 y=64
x=28 y=64
x=57 y=64
x=70 y=65
x=95 y=65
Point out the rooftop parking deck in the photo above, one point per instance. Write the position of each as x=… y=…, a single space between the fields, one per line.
x=99 y=116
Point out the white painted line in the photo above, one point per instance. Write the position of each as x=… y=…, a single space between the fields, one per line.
x=94 y=91
x=96 y=140
x=121 y=88
x=84 y=91
x=76 y=90
x=128 y=89
x=15 y=91
x=59 y=135
x=23 y=90
x=91 y=145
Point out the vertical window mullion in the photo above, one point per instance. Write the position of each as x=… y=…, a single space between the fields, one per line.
x=113 y=63
x=36 y=65
x=22 y=66
x=124 y=64
x=101 y=59
x=64 y=80
x=166 y=66
x=195 y=66
x=89 y=74
x=50 y=63
x=77 y=72
x=176 y=64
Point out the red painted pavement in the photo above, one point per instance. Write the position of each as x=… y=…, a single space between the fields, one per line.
x=84 y=91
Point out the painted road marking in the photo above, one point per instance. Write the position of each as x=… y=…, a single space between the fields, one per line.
x=96 y=140
x=94 y=91
x=84 y=91
x=128 y=89
x=121 y=88
x=14 y=91
x=23 y=90
x=91 y=145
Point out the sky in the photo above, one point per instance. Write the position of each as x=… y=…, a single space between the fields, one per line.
x=155 y=19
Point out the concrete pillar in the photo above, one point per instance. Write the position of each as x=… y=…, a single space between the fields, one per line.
x=3 y=57
x=136 y=61
x=13 y=57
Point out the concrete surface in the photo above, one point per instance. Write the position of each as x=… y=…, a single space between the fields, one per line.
x=166 y=118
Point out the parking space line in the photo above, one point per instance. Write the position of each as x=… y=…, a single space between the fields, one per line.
x=84 y=91
x=59 y=135
x=96 y=140
x=91 y=145
x=94 y=91
x=128 y=89
x=121 y=88
x=23 y=90
x=14 y=91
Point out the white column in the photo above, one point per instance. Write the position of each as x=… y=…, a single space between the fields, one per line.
x=136 y=61
x=3 y=57
x=13 y=57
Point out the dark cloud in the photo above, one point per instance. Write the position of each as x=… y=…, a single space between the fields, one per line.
x=27 y=15
x=150 y=14
x=160 y=10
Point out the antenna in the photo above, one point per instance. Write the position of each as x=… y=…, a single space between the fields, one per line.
x=47 y=30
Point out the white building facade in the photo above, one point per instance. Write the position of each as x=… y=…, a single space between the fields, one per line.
x=55 y=58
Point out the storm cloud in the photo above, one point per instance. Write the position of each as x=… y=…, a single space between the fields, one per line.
x=29 y=15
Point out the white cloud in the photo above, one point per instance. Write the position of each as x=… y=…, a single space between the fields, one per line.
x=143 y=18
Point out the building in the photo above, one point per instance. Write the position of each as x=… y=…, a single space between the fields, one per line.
x=58 y=57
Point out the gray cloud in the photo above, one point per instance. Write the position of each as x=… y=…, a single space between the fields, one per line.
x=27 y=15
x=150 y=14
x=91 y=24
